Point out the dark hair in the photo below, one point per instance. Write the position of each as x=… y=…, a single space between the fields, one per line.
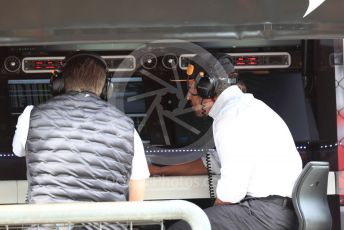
x=84 y=74
x=57 y=84
x=222 y=85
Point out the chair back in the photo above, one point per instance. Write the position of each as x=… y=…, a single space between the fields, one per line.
x=310 y=197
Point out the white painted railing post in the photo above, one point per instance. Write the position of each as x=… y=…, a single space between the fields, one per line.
x=85 y=212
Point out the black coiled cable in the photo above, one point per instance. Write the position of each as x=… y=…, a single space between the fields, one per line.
x=210 y=177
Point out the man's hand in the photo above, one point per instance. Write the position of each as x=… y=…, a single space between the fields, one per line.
x=154 y=170
x=192 y=91
x=136 y=190
x=220 y=202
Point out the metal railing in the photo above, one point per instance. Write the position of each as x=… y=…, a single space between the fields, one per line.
x=84 y=212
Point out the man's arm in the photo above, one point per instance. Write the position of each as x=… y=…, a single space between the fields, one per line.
x=188 y=169
x=22 y=129
x=220 y=202
x=139 y=171
x=136 y=190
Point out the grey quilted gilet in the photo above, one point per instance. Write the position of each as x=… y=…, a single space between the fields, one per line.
x=79 y=148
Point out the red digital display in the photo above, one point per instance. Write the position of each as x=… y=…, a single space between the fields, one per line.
x=252 y=60
x=44 y=64
x=249 y=60
x=240 y=61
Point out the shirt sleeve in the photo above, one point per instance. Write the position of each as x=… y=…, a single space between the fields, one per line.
x=236 y=161
x=22 y=129
x=139 y=170
x=213 y=162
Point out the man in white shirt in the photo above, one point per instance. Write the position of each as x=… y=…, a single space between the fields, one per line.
x=79 y=147
x=198 y=166
x=258 y=157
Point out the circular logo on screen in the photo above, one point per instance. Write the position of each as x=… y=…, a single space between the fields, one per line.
x=155 y=96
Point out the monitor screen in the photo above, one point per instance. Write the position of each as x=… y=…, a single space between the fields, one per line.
x=20 y=93
x=284 y=93
x=125 y=97
x=27 y=92
x=160 y=111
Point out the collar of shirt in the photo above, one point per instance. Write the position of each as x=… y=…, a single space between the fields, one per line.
x=82 y=92
x=225 y=97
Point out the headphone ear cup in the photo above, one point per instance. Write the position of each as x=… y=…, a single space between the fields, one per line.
x=57 y=84
x=206 y=87
x=107 y=89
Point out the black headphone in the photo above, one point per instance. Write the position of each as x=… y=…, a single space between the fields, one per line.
x=57 y=79
x=205 y=85
x=206 y=80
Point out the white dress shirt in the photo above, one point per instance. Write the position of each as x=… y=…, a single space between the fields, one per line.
x=256 y=149
x=139 y=169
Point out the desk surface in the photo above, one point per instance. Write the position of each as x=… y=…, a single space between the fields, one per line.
x=157 y=188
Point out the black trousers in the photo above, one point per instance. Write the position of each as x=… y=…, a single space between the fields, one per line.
x=273 y=213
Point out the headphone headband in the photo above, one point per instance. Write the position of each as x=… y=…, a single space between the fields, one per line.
x=90 y=55
x=57 y=79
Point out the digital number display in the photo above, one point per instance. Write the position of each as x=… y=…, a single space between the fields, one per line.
x=46 y=64
x=269 y=60
x=42 y=64
x=254 y=60
x=240 y=61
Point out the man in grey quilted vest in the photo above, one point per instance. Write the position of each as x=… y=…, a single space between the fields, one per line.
x=78 y=147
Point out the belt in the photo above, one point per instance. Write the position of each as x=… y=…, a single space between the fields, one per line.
x=278 y=200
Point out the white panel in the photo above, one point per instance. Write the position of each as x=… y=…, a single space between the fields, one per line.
x=124 y=68
x=177 y=187
x=22 y=190
x=8 y=192
x=331 y=184
x=157 y=188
